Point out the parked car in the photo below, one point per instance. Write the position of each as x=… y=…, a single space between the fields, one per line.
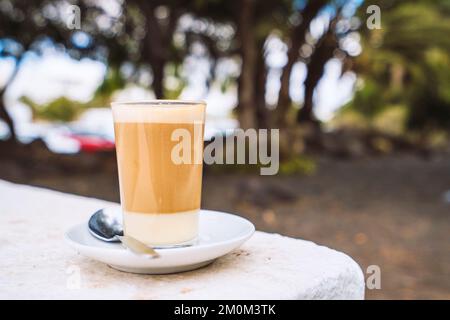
x=91 y=142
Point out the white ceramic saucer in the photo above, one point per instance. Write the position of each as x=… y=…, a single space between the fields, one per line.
x=219 y=234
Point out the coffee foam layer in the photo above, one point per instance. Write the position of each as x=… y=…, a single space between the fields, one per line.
x=161 y=229
x=147 y=113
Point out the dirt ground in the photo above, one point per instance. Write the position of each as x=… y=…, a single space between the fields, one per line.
x=385 y=211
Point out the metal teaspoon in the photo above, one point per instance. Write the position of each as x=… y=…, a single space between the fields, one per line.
x=106 y=225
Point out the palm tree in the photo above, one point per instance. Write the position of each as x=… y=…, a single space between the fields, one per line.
x=407 y=62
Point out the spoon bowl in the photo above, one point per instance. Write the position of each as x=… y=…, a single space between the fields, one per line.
x=106 y=225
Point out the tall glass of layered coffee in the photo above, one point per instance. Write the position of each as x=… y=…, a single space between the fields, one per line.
x=159 y=147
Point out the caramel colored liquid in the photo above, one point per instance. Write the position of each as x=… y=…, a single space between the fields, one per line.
x=150 y=181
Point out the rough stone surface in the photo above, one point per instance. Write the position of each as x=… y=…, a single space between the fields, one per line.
x=35 y=263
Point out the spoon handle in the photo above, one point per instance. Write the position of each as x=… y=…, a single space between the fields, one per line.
x=138 y=247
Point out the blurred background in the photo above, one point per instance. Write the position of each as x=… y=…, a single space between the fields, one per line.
x=363 y=107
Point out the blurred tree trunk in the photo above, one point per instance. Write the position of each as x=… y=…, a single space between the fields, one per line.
x=262 y=116
x=4 y=115
x=297 y=39
x=323 y=52
x=249 y=51
x=157 y=44
x=158 y=77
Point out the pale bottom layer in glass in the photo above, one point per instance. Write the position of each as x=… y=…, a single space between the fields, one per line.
x=165 y=229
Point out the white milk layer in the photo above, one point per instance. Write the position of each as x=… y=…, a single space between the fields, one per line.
x=161 y=229
x=159 y=112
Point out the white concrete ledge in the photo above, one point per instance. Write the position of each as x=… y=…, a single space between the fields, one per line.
x=35 y=263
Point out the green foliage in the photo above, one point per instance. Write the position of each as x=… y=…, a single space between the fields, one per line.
x=296 y=165
x=392 y=120
x=174 y=83
x=406 y=64
x=428 y=94
x=301 y=164
x=368 y=99
x=64 y=109
x=61 y=109
x=350 y=117
x=112 y=82
x=226 y=84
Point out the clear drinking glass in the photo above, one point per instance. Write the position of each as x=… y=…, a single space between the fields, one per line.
x=159 y=147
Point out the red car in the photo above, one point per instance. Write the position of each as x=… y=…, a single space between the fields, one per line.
x=92 y=143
